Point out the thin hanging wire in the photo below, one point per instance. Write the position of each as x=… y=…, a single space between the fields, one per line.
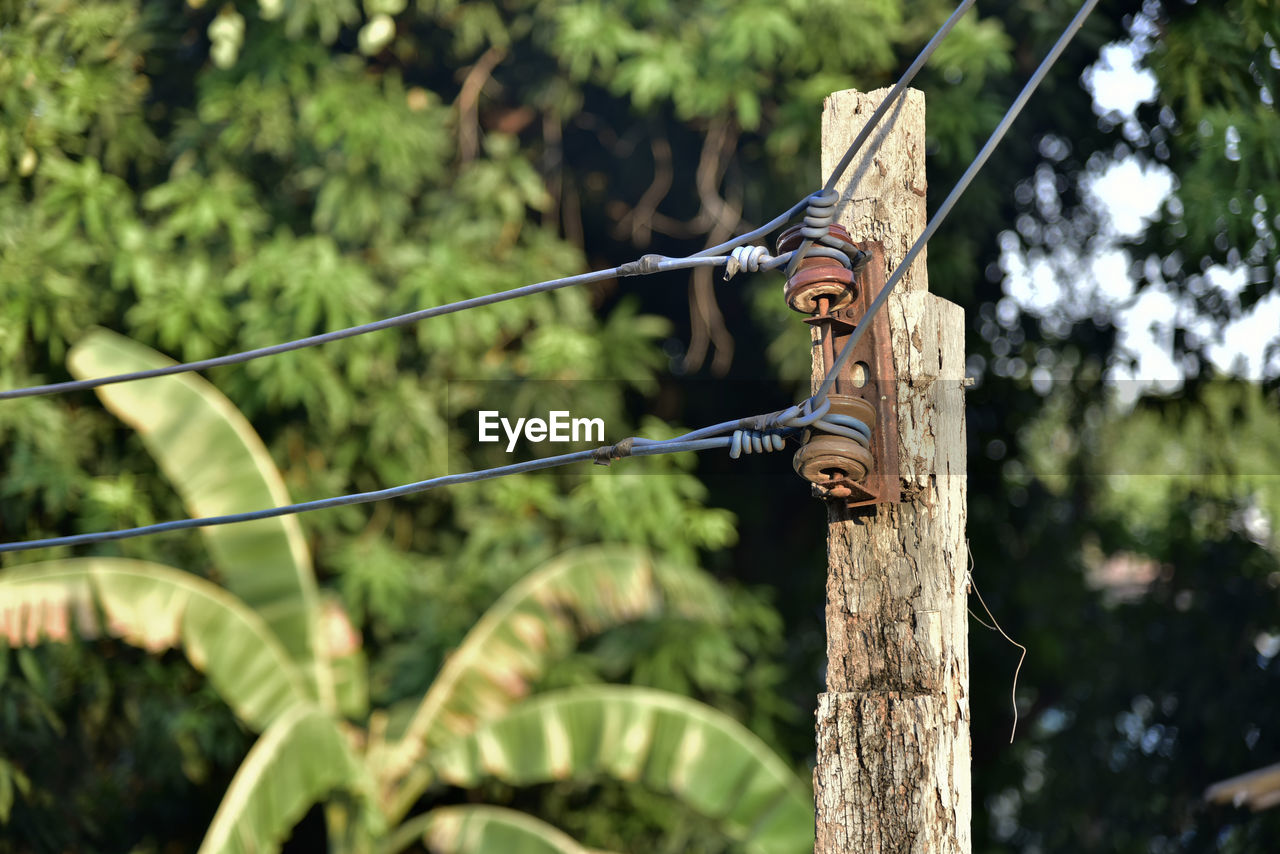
x=945 y=208
x=879 y=113
x=633 y=448
x=712 y=256
x=647 y=265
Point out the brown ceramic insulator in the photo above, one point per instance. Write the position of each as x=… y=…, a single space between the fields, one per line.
x=830 y=280
x=850 y=404
x=827 y=460
x=817 y=276
x=792 y=238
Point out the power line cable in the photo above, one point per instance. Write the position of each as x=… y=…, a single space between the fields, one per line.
x=813 y=412
x=945 y=208
x=647 y=265
x=749 y=435
x=879 y=113
x=644 y=266
x=758 y=433
x=742 y=239
x=626 y=448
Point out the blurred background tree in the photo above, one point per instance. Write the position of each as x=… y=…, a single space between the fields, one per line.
x=292 y=668
x=217 y=176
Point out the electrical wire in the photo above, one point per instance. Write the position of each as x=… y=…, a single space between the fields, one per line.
x=813 y=411
x=879 y=113
x=757 y=433
x=945 y=208
x=635 y=448
x=773 y=224
x=647 y=265
x=749 y=435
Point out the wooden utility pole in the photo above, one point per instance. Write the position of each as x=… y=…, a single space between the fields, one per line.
x=893 y=726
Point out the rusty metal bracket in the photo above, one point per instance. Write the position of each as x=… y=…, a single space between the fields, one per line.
x=835 y=299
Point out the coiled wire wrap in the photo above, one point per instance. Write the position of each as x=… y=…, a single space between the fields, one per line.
x=747 y=258
x=757 y=442
x=753 y=259
x=819 y=215
x=847 y=426
x=817 y=417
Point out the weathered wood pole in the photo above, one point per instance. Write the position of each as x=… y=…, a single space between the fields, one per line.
x=893 y=726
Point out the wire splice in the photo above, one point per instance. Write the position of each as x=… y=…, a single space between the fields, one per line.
x=746 y=257
x=606 y=455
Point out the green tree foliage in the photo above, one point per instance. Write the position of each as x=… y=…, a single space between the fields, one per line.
x=683 y=747
x=214 y=176
x=283 y=689
x=1217 y=128
x=1128 y=547
x=203 y=202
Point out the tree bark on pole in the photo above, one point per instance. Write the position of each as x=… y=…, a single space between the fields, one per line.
x=893 y=726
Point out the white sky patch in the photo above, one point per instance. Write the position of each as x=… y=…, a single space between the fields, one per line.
x=1241 y=347
x=1132 y=192
x=1036 y=281
x=1117 y=80
x=1111 y=277
x=1144 y=331
x=1031 y=283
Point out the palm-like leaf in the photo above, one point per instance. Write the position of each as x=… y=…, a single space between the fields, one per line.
x=671 y=743
x=478 y=829
x=218 y=465
x=300 y=758
x=539 y=619
x=156 y=607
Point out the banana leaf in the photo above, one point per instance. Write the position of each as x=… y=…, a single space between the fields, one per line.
x=583 y=592
x=218 y=465
x=670 y=743
x=479 y=829
x=301 y=758
x=156 y=607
